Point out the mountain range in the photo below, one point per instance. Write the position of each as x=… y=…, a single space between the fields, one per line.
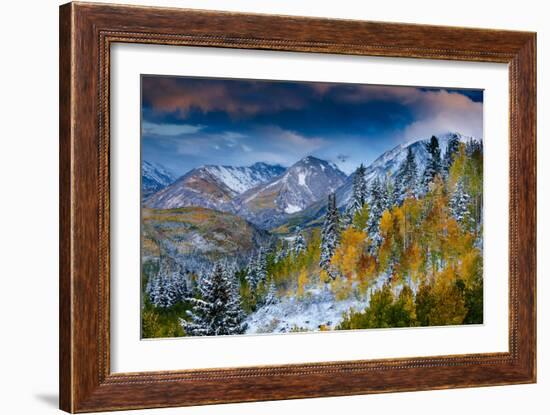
x=212 y=186
x=270 y=195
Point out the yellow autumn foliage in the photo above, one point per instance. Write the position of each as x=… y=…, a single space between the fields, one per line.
x=302 y=282
x=347 y=255
x=470 y=267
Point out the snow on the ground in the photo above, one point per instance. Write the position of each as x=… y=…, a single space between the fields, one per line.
x=317 y=307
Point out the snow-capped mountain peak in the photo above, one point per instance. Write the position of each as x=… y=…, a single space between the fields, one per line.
x=240 y=179
x=154 y=177
x=388 y=163
x=305 y=182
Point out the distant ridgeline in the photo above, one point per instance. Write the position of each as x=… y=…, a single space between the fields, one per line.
x=264 y=249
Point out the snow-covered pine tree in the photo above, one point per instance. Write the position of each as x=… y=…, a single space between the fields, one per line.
x=433 y=166
x=271 y=296
x=261 y=267
x=281 y=253
x=161 y=292
x=257 y=270
x=359 y=195
x=362 y=190
x=452 y=148
x=299 y=244
x=169 y=285
x=459 y=205
x=218 y=310
x=378 y=204
x=389 y=193
x=330 y=235
x=232 y=270
x=406 y=179
x=251 y=272
x=347 y=216
x=236 y=285
x=159 y=296
x=181 y=289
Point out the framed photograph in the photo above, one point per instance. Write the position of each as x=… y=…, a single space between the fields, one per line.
x=258 y=207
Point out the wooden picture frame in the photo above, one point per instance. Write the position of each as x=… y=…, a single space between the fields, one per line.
x=86 y=33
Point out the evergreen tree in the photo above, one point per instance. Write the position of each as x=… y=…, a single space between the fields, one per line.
x=389 y=194
x=261 y=267
x=473 y=147
x=330 y=235
x=406 y=179
x=179 y=281
x=452 y=148
x=378 y=204
x=433 y=166
x=359 y=194
x=257 y=270
x=168 y=286
x=218 y=310
x=299 y=244
x=361 y=191
x=459 y=204
x=251 y=275
x=160 y=291
x=271 y=296
x=347 y=216
x=232 y=270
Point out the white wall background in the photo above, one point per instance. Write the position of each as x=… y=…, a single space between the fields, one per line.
x=28 y=209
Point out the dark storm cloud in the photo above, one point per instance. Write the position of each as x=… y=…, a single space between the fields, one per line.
x=193 y=121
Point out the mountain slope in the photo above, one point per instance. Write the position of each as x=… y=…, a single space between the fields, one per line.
x=383 y=167
x=387 y=164
x=200 y=235
x=304 y=183
x=154 y=177
x=212 y=186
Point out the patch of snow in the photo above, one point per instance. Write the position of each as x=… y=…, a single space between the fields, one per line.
x=317 y=307
x=241 y=179
x=199 y=242
x=274 y=183
x=302 y=178
x=290 y=208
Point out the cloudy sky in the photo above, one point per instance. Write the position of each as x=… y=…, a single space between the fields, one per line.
x=188 y=122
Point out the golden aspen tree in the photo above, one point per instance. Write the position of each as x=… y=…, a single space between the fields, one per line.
x=302 y=282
